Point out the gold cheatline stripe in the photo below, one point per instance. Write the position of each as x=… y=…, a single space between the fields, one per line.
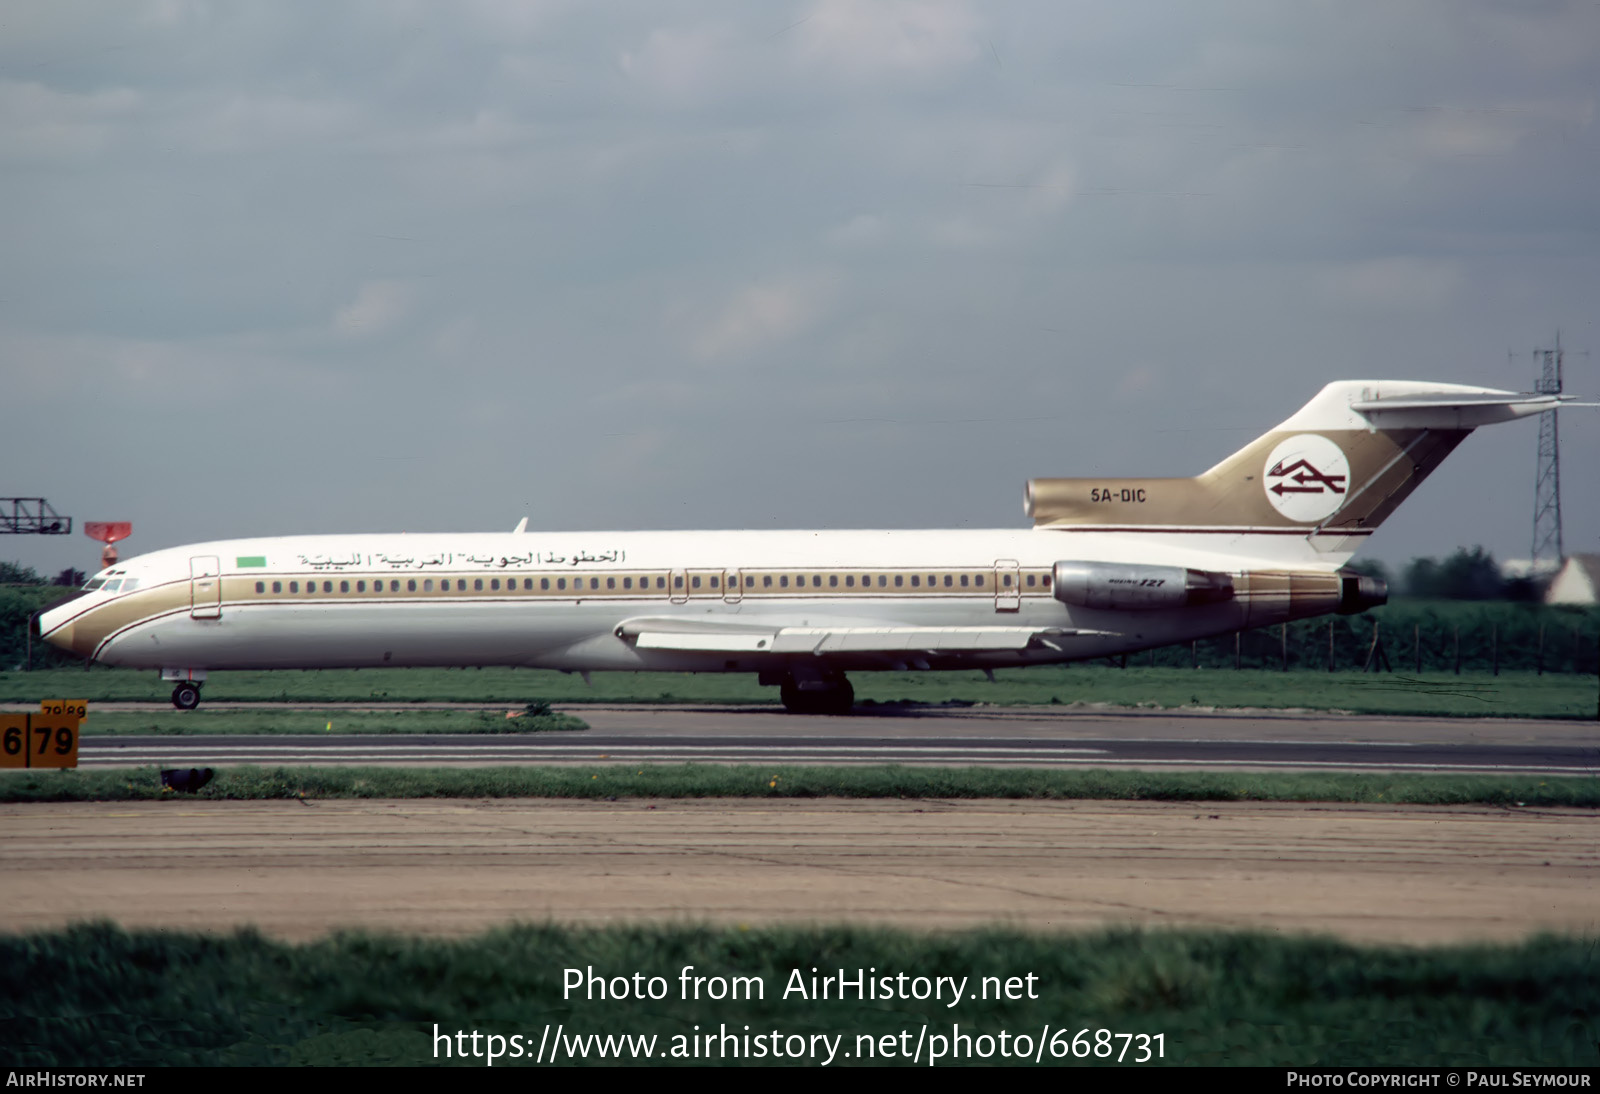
x=175 y=597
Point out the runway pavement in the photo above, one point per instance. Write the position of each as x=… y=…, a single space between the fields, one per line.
x=1038 y=737
x=298 y=870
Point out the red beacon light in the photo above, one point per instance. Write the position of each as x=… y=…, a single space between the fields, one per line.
x=108 y=532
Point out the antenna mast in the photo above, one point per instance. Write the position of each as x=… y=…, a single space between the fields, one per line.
x=1547 y=546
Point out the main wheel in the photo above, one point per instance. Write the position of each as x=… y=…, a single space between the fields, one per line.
x=794 y=700
x=837 y=698
x=186 y=696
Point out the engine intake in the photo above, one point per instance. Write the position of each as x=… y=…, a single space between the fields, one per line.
x=1137 y=588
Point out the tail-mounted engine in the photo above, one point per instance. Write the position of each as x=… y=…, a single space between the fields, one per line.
x=1262 y=596
x=1357 y=592
x=1137 y=588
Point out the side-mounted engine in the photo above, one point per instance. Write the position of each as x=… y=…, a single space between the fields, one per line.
x=1137 y=588
x=1264 y=596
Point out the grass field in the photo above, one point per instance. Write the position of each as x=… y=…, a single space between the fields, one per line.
x=603 y=780
x=221 y=720
x=1510 y=695
x=95 y=993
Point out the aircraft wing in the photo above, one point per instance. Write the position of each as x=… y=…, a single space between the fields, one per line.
x=677 y=634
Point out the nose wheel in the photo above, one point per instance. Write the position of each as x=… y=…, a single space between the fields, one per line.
x=186 y=696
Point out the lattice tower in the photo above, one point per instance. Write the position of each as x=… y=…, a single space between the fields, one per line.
x=1547 y=547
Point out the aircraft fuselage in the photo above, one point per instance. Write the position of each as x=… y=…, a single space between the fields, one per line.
x=551 y=600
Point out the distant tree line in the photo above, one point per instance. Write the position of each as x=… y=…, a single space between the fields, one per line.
x=23 y=591
x=18 y=603
x=1431 y=636
x=12 y=573
x=1468 y=574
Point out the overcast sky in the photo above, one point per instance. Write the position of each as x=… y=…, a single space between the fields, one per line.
x=272 y=268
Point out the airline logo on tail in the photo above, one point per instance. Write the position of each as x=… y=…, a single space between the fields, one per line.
x=1306 y=477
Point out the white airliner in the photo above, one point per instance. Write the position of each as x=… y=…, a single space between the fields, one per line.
x=1110 y=566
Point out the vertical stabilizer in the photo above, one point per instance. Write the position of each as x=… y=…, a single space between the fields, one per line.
x=1333 y=471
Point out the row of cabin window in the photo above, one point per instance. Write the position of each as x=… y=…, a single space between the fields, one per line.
x=461 y=584
x=713 y=581
x=900 y=581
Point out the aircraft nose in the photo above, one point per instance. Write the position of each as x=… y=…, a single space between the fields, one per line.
x=51 y=622
x=56 y=636
x=57 y=625
x=60 y=602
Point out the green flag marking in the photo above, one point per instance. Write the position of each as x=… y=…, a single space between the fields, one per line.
x=250 y=560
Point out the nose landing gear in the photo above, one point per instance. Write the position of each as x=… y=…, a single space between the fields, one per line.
x=186 y=693
x=186 y=696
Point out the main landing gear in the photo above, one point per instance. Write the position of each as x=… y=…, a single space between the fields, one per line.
x=830 y=694
x=186 y=696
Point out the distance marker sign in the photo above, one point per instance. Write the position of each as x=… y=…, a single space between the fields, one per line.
x=46 y=739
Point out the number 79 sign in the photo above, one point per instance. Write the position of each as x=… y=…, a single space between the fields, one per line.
x=46 y=739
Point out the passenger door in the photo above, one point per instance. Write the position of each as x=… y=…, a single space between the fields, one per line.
x=205 y=587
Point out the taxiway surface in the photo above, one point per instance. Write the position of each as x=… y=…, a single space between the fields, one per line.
x=1011 y=736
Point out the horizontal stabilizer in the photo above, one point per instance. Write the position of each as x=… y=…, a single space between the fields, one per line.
x=1452 y=410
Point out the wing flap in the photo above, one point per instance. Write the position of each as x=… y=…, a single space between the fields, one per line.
x=895 y=639
x=709 y=641
x=667 y=634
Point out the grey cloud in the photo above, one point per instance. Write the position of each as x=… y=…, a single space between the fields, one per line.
x=707 y=264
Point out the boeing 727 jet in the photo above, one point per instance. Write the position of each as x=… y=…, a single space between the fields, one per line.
x=1110 y=566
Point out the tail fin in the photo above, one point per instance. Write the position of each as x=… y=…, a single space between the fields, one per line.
x=1332 y=472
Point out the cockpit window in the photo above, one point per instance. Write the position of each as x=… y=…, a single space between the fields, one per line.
x=112 y=586
x=93 y=585
x=130 y=584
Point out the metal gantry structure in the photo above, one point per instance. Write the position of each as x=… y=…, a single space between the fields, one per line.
x=32 y=516
x=1547 y=546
